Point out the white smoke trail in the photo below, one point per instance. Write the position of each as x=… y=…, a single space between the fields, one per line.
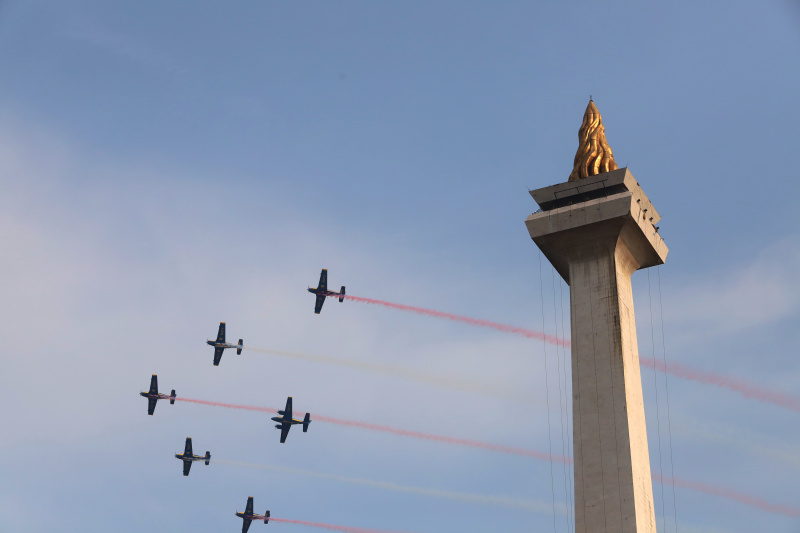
x=694 y=529
x=405 y=373
x=764 y=445
x=503 y=501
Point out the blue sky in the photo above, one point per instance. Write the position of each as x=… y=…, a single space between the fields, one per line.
x=167 y=166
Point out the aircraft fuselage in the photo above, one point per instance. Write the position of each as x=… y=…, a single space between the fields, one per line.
x=323 y=292
x=282 y=420
x=252 y=516
x=184 y=457
x=216 y=344
x=157 y=396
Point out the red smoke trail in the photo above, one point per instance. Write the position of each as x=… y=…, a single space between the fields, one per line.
x=229 y=405
x=531 y=334
x=691 y=485
x=442 y=438
x=748 y=390
x=330 y=527
x=753 y=501
x=397 y=431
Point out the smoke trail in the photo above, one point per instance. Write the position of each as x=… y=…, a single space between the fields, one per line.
x=329 y=527
x=730 y=494
x=443 y=438
x=691 y=485
x=765 y=445
x=228 y=405
x=397 y=431
x=515 y=503
x=405 y=373
x=746 y=389
x=531 y=334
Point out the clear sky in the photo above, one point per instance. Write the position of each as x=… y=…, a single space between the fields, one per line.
x=165 y=166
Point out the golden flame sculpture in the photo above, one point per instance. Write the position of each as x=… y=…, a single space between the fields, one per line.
x=594 y=156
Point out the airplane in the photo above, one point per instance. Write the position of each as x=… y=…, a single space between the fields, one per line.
x=285 y=421
x=322 y=291
x=153 y=396
x=220 y=344
x=248 y=515
x=188 y=457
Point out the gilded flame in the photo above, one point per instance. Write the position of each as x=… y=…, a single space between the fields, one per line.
x=594 y=156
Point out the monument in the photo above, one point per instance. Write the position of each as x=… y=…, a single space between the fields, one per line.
x=596 y=230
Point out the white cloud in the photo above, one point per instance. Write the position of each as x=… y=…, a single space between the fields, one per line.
x=763 y=291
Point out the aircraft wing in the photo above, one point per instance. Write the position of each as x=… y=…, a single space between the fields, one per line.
x=246 y=525
x=285 y=427
x=151 y=404
x=221 y=333
x=249 y=508
x=320 y=301
x=218 y=354
x=187 y=465
x=154 y=384
x=287 y=413
x=187 y=451
x=323 y=280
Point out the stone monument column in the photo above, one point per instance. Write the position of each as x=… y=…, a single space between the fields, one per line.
x=596 y=230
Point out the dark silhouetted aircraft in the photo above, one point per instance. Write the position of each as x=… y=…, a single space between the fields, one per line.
x=285 y=421
x=153 y=396
x=188 y=458
x=220 y=344
x=322 y=291
x=248 y=515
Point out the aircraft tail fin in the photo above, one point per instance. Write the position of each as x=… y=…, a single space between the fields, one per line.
x=341 y=294
x=172 y=397
x=239 y=349
x=266 y=517
x=208 y=457
x=306 y=422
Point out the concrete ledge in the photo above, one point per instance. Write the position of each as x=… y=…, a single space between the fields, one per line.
x=594 y=187
x=562 y=231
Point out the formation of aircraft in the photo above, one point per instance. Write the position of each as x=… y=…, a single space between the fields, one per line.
x=322 y=291
x=188 y=457
x=153 y=396
x=220 y=345
x=285 y=421
x=247 y=516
